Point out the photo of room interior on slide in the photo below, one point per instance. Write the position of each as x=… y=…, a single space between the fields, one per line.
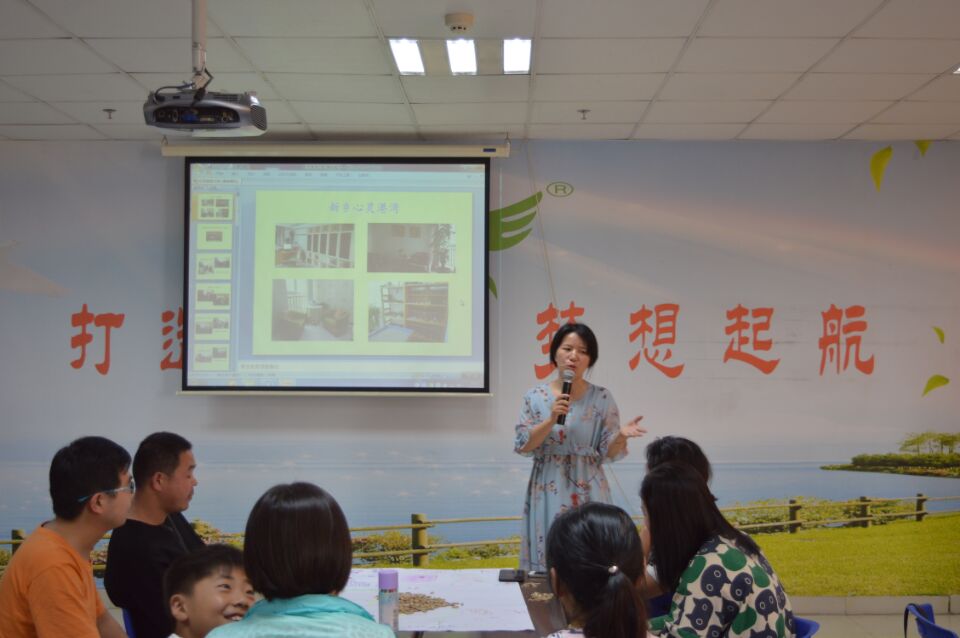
x=314 y=245
x=411 y=248
x=408 y=311
x=312 y=310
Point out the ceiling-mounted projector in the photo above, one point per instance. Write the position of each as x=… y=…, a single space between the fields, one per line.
x=206 y=113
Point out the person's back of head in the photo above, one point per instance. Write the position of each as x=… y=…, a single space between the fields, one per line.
x=682 y=514
x=88 y=466
x=667 y=449
x=207 y=588
x=594 y=553
x=297 y=542
x=163 y=466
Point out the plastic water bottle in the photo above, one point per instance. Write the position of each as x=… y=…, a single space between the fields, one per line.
x=389 y=598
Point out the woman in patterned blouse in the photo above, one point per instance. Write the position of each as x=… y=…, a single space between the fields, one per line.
x=721 y=581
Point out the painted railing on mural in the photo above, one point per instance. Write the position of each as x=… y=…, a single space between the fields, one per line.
x=791 y=521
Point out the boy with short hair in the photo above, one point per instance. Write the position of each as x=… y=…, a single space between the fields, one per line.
x=206 y=589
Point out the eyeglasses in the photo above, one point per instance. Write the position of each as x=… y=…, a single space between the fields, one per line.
x=131 y=487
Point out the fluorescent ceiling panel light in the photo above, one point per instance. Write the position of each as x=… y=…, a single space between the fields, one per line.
x=957 y=71
x=406 y=53
x=516 y=56
x=463 y=57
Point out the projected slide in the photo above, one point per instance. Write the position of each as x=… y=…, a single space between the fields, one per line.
x=336 y=276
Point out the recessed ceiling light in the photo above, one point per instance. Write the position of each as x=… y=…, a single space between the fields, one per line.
x=463 y=57
x=406 y=53
x=516 y=56
x=957 y=71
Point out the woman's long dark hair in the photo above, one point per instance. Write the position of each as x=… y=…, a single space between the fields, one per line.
x=682 y=514
x=596 y=552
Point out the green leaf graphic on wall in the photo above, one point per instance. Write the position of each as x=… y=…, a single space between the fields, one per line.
x=510 y=225
x=937 y=380
x=880 y=159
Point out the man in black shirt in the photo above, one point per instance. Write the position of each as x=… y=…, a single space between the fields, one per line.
x=156 y=532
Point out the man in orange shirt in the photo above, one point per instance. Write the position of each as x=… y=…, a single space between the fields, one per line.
x=48 y=589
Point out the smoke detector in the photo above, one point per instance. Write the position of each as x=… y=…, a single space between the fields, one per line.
x=458 y=23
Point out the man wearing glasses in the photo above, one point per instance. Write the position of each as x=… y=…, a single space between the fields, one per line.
x=155 y=534
x=48 y=589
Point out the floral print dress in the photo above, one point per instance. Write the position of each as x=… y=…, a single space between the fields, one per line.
x=567 y=467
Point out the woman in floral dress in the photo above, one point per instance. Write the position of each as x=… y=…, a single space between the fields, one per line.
x=567 y=459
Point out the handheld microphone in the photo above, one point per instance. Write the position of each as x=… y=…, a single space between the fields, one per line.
x=567 y=375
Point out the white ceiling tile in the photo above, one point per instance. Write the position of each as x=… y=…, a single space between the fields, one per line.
x=92 y=112
x=79 y=87
x=891 y=132
x=599 y=112
x=292 y=18
x=50 y=132
x=796 y=132
x=619 y=55
x=424 y=18
x=279 y=113
x=727 y=86
x=921 y=113
x=946 y=88
x=687 y=131
x=34 y=57
x=168 y=55
x=120 y=18
x=10 y=94
x=915 y=19
x=594 y=86
x=856 y=86
x=504 y=88
x=470 y=114
x=704 y=112
x=620 y=18
x=307 y=87
x=584 y=131
x=826 y=112
x=31 y=113
x=738 y=55
x=134 y=132
x=350 y=56
x=892 y=56
x=21 y=20
x=786 y=18
x=222 y=82
x=355 y=113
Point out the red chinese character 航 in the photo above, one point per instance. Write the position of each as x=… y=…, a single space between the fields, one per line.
x=665 y=334
x=737 y=328
x=835 y=331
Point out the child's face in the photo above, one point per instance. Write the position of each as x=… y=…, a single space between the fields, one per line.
x=218 y=599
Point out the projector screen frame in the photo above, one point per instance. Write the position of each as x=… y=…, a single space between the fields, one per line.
x=187 y=344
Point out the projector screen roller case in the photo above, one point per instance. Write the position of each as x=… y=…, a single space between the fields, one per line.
x=336 y=275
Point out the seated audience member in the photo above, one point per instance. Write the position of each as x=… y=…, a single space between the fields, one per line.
x=47 y=590
x=205 y=589
x=298 y=554
x=720 y=579
x=595 y=561
x=665 y=449
x=156 y=533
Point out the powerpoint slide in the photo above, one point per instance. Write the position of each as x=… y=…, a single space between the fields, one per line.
x=213 y=297
x=214 y=206
x=213 y=266
x=211 y=357
x=408 y=311
x=212 y=327
x=411 y=248
x=312 y=310
x=314 y=246
x=214 y=236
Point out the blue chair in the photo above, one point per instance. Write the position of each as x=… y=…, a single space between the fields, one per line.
x=805 y=627
x=926 y=622
x=128 y=623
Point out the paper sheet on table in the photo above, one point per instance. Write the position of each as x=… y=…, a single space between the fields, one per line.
x=485 y=603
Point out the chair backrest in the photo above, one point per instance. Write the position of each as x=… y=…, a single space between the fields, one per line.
x=926 y=622
x=128 y=623
x=805 y=627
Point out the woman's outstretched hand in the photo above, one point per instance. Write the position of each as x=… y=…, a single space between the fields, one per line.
x=632 y=429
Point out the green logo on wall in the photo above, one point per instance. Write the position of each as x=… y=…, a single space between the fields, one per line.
x=559 y=189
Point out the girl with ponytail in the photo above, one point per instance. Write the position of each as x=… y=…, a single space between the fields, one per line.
x=595 y=560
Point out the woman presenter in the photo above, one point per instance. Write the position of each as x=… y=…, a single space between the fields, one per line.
x=570 y=434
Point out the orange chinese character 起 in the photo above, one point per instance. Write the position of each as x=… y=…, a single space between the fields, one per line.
x=738 y=327
x=836 y=331
x=665 y=334
x=169 y=362
x=548 y=319
x=82 y=319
